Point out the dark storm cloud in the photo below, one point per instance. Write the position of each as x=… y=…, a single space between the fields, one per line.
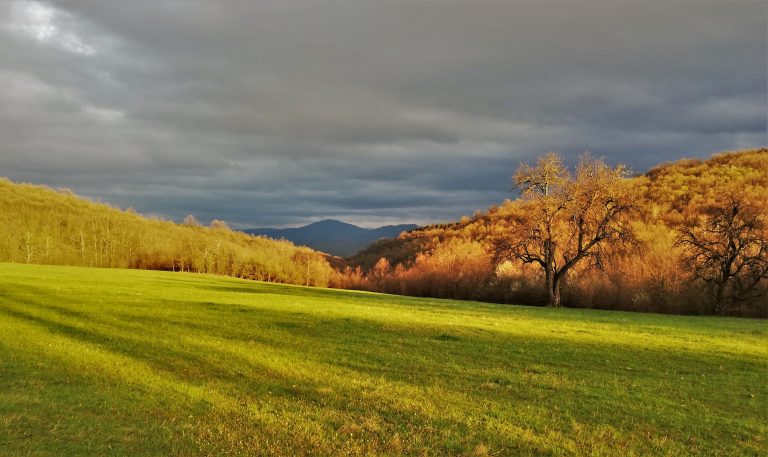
x=265 y=113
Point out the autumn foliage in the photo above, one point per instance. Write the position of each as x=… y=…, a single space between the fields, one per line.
x=646 y=231
x=687 y=237
x=42 y=225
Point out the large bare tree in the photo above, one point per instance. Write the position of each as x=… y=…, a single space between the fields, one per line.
x=566 y=218
x=727 y=247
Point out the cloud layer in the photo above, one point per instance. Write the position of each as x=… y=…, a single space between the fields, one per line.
x=280 y=113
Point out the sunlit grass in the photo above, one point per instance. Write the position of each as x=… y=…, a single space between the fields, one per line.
x=124 y=362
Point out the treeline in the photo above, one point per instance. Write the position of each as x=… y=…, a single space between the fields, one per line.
x=688 y=237
x=47 y=226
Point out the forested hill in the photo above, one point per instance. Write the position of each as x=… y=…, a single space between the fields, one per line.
x=332 y=236
x=667 y=193
x=454 y=259
x=42 y=225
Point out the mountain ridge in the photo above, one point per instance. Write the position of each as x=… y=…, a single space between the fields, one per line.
x=333 y=236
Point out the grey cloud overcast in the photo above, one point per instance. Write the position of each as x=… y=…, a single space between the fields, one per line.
x=282 y=113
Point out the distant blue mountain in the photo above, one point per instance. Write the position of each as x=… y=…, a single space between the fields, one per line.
x=332 y=236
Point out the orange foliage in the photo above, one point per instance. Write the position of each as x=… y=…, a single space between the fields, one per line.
x=451 y=260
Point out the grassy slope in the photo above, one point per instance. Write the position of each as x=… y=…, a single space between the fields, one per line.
x=122 y=362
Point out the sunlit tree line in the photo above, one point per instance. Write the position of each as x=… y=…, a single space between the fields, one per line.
x=687 y=237
x=42 y=225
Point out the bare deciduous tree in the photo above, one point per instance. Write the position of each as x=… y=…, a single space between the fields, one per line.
x=728 y=248
x=566 y=218
x=191 y=221
x=219 y=225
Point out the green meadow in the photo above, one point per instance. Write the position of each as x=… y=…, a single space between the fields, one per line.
x=128 y=362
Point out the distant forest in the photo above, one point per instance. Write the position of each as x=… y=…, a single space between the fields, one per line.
x=689 y=237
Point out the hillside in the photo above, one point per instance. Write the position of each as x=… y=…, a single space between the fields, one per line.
x=667 y=192
x=42 y=225
x=332 y=236
x=424 y=261
x=127 y=362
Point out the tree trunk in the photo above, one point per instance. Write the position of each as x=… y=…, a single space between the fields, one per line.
x=550 y=279
x=725 y=276
x=719 y=296
x=555 y=292
x=553 y=286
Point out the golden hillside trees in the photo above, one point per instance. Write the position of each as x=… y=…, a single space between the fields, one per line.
x=41 y=225
x=656 y=275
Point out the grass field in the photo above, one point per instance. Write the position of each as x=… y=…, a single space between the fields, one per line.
x=122 y=362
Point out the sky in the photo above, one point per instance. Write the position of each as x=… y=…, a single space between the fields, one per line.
x=281 y=113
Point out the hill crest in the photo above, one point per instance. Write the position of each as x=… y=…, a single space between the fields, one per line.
x=333 y=236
